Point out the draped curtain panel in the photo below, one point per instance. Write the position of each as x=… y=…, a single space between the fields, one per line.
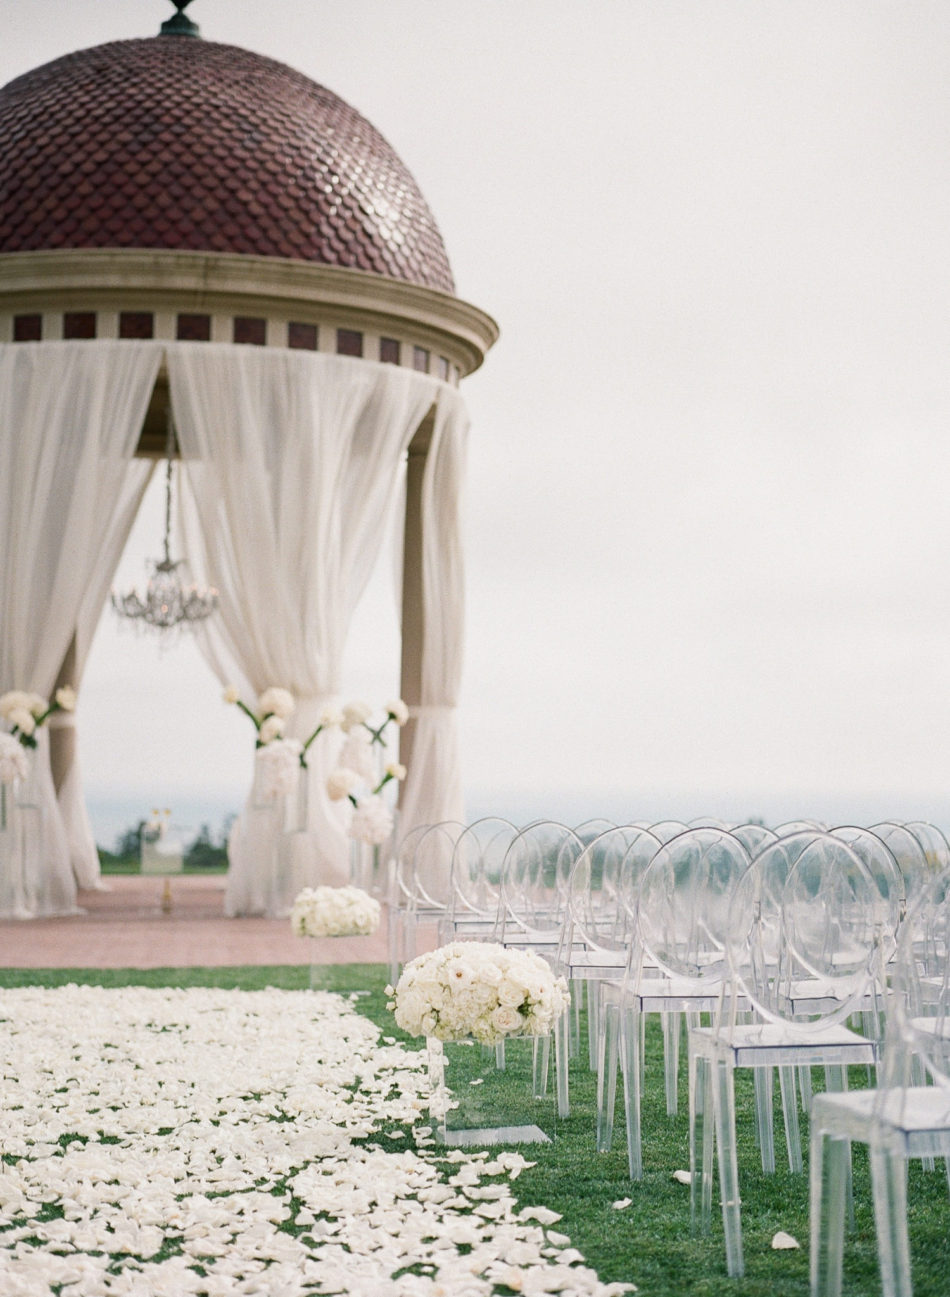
x=70 y=417
x=290 y=464
x=433 y=790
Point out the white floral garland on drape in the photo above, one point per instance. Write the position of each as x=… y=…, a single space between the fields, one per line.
x=155 y=1141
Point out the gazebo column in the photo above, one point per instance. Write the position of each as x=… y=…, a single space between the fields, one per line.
x=413 y=604
x=62 y=725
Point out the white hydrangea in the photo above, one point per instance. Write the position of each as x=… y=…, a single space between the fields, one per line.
x=479 y=990
x=334 y=912
x=278 y=766
x=372 y=820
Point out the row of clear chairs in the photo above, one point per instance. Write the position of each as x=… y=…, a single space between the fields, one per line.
x=778 y=935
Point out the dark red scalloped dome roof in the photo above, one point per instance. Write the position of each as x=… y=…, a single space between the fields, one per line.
x=177 y=143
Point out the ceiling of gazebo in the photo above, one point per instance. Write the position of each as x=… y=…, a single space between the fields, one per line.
x=190 y=146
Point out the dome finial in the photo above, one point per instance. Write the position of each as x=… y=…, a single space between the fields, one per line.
x=180 y=25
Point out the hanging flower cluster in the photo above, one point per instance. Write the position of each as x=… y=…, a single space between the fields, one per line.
x=334 y=912
x=274 y=706
x=26 y=712
x=480 y=990
x=356 y=776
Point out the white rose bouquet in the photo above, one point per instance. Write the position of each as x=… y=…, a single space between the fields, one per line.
x=479 y=990
x=334 y=912
x=26 y=712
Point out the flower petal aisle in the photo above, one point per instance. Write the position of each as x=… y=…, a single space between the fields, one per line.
x=206 y=1141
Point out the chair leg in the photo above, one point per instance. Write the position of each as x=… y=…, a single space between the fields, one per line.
x=762 y=1079
x=630 y=1044
x=700 y=1128
x=671 y=1058
x=889 y=1187
x=827 y=1212
x=724 y=1107
x=562 y=1046
x=836 y=1082
x=607 y=1076
x=593 y=1022
x=540 y=1059
x=793 y=1139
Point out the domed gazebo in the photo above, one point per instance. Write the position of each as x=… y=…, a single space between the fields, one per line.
x=193 y=230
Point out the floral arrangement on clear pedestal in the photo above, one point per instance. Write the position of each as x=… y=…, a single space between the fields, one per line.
x=482 y=992
x=321 y=912
x=21 y=811
x=361 y=775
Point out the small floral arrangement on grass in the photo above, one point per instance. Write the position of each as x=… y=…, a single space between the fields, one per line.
x=334 y=912
x=25 y=712
x=479 y=990
x=356 y=777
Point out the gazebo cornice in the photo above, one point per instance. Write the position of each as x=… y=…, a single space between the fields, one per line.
x=227 y=285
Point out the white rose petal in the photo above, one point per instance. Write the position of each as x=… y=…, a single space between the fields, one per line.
x=784 y=1242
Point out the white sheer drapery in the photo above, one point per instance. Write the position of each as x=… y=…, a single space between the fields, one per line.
x=70 y=417
x=433 y=789
x=290 y=462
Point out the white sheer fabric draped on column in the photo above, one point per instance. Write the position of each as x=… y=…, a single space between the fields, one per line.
x=433 y=789
x=70 y=417
x=72 y=803
x=290 y=462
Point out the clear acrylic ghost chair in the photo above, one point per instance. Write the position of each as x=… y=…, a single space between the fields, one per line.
x=420 y=888
x=667 y=829
x=934 y=842
x=677 y=957
x=910 y=854
x=532 y=909
x=824 y=933
x=791 y=827
x=477 y=862
x=593 y=828
x=598 y=927
x=753 y=836
x=900 y=1120
x=709 y=822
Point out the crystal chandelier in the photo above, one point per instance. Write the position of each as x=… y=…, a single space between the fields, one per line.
x=167 y=604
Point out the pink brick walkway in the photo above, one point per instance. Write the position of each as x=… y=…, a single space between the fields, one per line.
x=125 y=927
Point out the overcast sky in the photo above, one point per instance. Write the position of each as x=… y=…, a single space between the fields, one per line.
x=707 y=541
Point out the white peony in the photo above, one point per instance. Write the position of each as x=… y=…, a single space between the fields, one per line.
x=14 y=700
x=231 y=694
x=372 y=821
x=271 y=728
x=66 y=698
x=395 y=770
x=38 y=705
x=341 y=783
x=330 y=717
x=355 y=714
x=24 y=720
x=398 y=710
x=276 y=702
x=14 y=761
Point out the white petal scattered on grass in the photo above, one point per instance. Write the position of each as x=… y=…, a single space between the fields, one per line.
x=621 y=1203
x=209 y=1119
x=682 y=1177
x=784 y=1242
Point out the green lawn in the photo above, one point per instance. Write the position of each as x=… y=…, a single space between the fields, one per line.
x=648 y=1242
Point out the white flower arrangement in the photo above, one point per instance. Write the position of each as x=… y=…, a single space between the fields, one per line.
x=25 y=712
x=372 y=820
x=334 y=912
x=274 y=706
x=278 y=763
x=478 y=990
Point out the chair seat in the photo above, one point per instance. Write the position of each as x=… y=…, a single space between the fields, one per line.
x=918 y=1111
x=781 y=1045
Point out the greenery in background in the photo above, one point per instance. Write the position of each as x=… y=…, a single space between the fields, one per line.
x=648 y=1242
x=206 y=854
